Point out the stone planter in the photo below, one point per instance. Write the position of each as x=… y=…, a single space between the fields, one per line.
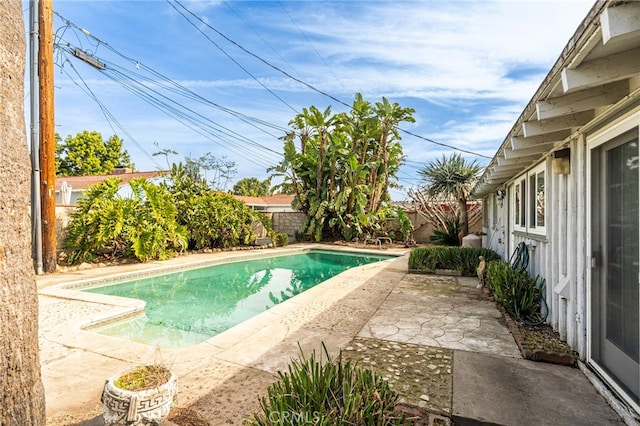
x=145 y=407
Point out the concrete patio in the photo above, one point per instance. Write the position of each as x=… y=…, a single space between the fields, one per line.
x=440 y=343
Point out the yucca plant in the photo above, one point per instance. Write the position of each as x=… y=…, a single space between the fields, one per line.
x=515 y=290
x=331 y=392
x=281 y=239
x=450 y=236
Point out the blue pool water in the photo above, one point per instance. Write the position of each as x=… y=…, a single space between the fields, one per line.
x=188 y=307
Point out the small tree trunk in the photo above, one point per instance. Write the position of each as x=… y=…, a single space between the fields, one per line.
x=21 y=391
x=464 y=221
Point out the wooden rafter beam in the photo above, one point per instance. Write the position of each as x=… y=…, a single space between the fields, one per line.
x=505 y=174
x=601 y=71
x=620 y=22
x=524 y=152
x=519 y=160
x=582 y=101
x=522 y=142
x=541 y=127
x=506 y=167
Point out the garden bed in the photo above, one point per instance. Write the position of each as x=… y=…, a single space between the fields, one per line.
x=540 y=342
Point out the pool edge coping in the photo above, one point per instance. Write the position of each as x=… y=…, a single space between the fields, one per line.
x=76 y=333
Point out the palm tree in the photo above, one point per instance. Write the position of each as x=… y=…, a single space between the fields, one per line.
x=452 y=177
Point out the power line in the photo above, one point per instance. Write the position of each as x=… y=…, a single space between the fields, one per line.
x=269 y=64
x=258 y=57
x=231 y=58
x=105 y=111
x=282 y=58
x=187 y=93
x=179 y=89
x=181 y=113
x=443 y=144
x=312 y=46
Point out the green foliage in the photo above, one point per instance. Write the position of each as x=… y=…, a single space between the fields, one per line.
x=264 y=220
x=211 y=219
x=219 y=220
x=252 y=187
x=404 y=223
x=450 y=236
x=142 y=226
x=158 y=220
x=342 y=170
x=463 y=259
x=452 y=177
x=335 y=392
x=281 y=240
x=87 y=154
x=514 y=289
x=154 y=232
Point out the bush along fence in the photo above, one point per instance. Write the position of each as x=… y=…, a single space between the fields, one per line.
x=464 y=260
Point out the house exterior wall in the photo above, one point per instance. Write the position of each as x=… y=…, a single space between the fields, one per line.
x=588 y=106
x=562 y=256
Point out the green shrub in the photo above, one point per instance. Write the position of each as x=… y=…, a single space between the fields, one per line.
x=217 y=219
x=142 y=226
x=334 y=392
x=450 y=236
x=463 y=259
x=157 y=221
x=212 y=219
x=281 y=240
x=515 y=290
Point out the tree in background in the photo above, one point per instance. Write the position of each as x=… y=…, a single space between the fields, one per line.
x=21 y=391
x=165 y=152
x=452 y=177
x=87 y=154
x=217 y=172
x=252 y=187
x=340 y=166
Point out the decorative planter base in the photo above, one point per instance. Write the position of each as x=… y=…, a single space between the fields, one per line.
x=147 y=407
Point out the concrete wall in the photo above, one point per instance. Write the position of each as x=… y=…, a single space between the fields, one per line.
x=283 y=222
x=423 y=230
x=288 y=222
x=63 y=217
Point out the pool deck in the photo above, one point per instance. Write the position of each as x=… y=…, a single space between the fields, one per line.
x=432 y=337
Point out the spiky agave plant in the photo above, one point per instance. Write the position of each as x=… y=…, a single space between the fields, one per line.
x=330 y=392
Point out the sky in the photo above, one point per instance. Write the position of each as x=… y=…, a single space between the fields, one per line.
x=225 y=77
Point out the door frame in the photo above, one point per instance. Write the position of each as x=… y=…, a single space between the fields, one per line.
x=595 y=141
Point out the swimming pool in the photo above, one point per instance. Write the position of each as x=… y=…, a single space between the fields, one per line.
x=188 y=307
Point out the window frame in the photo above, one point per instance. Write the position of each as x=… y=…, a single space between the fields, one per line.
x=526 y=201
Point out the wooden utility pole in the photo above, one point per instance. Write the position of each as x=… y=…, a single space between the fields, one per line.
x=47 y=135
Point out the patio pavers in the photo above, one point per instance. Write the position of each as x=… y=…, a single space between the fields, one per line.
x=447 y=312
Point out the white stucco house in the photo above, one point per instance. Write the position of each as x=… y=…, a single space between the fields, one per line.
x=566 y=182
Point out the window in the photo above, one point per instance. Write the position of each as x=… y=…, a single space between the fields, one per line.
x=529 y=199
x=517 y=203
x=540 y=202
